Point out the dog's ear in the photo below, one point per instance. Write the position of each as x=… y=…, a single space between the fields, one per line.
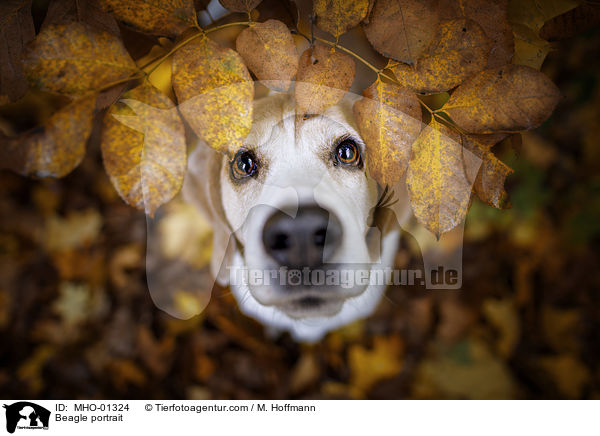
x=202 y=188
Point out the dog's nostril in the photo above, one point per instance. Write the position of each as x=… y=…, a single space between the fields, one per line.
x=280 y=242
x=319 y=237
x=308 y=239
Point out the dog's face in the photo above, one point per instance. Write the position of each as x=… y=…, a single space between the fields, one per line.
x=298 y=200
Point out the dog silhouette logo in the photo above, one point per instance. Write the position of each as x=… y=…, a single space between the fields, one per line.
x=26 y=415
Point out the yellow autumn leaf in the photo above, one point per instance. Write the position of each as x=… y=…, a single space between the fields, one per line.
x=56 y=148
x=144 y=149
x=530 y=49
x=339 y=16
x=491 y=15
x=74 y=58
x=158 y=17
x=527 y=18
x=324 y=76
x=269 y=51
x=389 y=121
x=507 y=99
x=215 y=93
x=402 y=30
x=459 y=50
x=489 y=183
x=438 y=178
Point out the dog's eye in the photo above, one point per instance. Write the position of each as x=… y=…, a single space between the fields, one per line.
x=348 y=153
x=244 y=164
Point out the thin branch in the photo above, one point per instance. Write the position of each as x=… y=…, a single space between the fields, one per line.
x=223 y=26
x=160 y=59
x=378 y=71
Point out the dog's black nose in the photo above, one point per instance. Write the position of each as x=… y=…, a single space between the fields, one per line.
x=308 y=240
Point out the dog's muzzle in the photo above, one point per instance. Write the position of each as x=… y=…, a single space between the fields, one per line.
x=309 y=239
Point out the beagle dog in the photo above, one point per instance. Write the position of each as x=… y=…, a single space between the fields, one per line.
x=294 y=215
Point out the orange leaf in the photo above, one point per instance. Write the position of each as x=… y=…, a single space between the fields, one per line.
x=339 y=16
x=460 y=50
x=491 y=15
x=438 y=178
x=508 y=99
x=323 y=78
x=389 y=121
x=57 y=147
x=270 y=53
x=144 y=149
x=74 y=59
x=215 y=93
x=158 y=17
x=402 y=30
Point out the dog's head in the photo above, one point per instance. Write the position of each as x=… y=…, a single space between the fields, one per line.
x=293 y=211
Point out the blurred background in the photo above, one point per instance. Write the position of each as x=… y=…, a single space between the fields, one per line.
x=77 y=321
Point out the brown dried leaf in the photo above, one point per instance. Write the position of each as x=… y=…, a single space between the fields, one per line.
x=215 y=93
x=491 y=15
x=489 y=183
x=509 y=99
x=74 y=58
x=484 y=141
x=158 y=17
x=282 y=10
x=240 y=5
x=269 y=51
x=402 y=30
x=57 y=147
x=339 y=16
x=460 y=50
x=527 y=18
x=144 y=149
x=324 y=76
x=530 y=49
x=16 y=30
x=88 y=12
x=576 y=21
x=438 y=178
x=389 y=121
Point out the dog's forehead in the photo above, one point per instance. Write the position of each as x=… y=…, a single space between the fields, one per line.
x=275 y=121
